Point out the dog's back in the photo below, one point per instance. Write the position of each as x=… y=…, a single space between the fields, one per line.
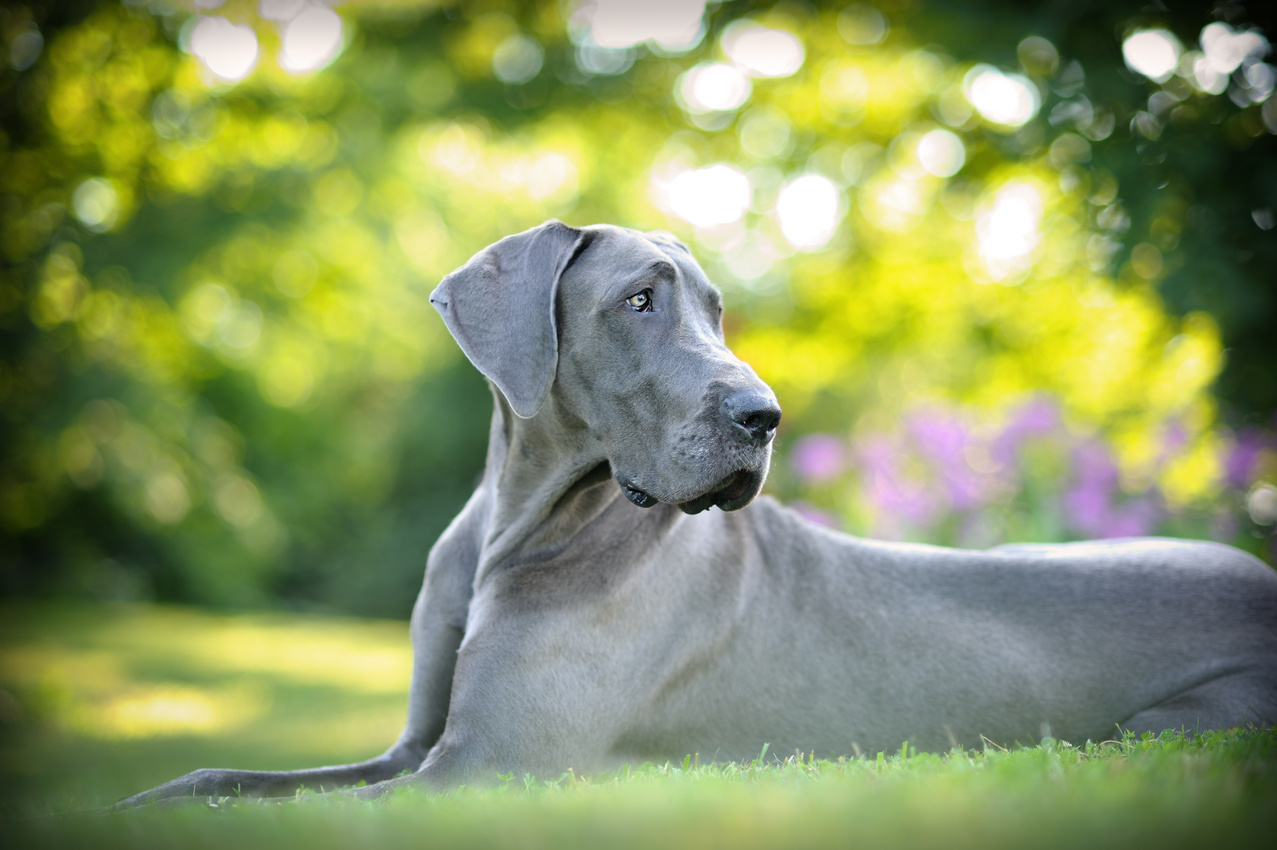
x=823 y=641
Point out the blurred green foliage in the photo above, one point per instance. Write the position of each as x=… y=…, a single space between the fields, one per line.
x=222 y=381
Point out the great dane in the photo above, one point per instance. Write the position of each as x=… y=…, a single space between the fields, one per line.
x=588 y=608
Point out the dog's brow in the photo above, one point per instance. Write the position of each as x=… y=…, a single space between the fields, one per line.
x=658 y=268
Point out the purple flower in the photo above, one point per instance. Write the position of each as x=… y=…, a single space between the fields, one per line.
x=899 y=499
x=1094 y=465
x=876 y=453
x=1135 y=518
x=818 y=457
x=939 y=436
x=1038 y=416
x=1087 y=504
x=943 y=439
x=1174 y=438
x=1239 y=467
x=1086 y=507
x=903 y=498
x=1091 y=505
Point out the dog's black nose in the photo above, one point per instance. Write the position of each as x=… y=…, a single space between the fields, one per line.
x=755 y=413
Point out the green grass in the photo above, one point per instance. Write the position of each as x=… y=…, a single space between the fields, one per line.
x=323 y=690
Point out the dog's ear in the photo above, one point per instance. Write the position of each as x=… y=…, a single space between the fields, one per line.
x=500 y=308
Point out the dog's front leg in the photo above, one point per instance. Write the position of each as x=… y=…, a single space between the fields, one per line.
x=438 y=625
x=536 y=690
x=435 y=642
x=438 y=622
x=216 y=782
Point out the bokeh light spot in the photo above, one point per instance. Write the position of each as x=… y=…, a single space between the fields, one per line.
x=1261 y=504
x=1007 y=99
x=280 y=10
x=244 y=326
x=25 y=48
x=1226 y=49
x=894 y=205
x=1260 y=79
x=844 y=88
x=286 y=381
x=96 y=204
x=1038 y=55
x=167 y=498
x=753 y=258
x=713 y=87
x=295 y=273
x=941 y=153
x=862 y=25
x=762 y=52
x=1068 y=149
x=1153 y=53
x=227 y=50
x=553 y=176
x=517 y=59
x=1197 y=69
x=1008 y=229
x=808 y=210
x=237 y=501
x=1146 y=261
x=203 y=310
x=765 y=133
x=311 y=40
x=604 y=61
x=675 y=25
x=707 y=197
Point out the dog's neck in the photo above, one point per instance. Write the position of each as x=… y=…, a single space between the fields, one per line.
x=545 y=478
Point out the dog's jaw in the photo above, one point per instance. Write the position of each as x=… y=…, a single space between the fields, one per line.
x=730 y=494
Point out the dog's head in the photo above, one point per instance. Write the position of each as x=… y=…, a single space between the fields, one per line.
x=621 y=331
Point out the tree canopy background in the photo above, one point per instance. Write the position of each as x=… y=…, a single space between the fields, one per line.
x=1008 y=268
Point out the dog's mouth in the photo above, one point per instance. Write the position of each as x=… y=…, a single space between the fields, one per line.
x=732 y=493
x=637 y=496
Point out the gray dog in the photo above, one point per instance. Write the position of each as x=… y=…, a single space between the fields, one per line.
x=587 y=609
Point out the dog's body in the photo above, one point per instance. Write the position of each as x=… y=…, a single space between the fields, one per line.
x=560 y=625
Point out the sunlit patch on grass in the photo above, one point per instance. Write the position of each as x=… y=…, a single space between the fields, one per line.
x=271 y=682
x=318 y=654
x=49 y=667
x=165 y=710
x=366 y=657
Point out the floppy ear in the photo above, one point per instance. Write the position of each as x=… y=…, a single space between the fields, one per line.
x=500 y=308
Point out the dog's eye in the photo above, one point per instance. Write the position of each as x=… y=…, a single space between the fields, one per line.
x=641 y=302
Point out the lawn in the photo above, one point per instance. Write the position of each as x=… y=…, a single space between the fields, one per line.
x=100 y=702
